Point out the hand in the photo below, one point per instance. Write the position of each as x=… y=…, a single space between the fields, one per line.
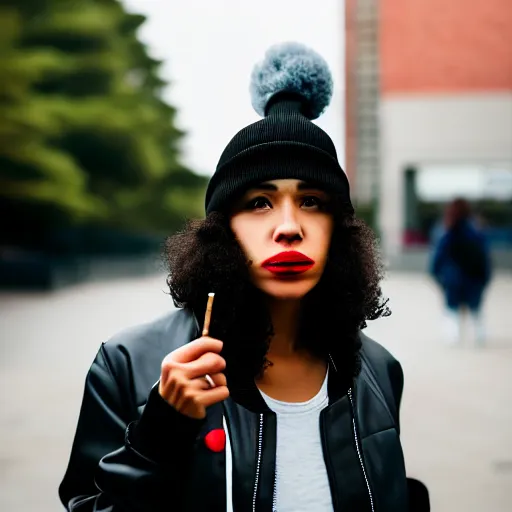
x=182 y=382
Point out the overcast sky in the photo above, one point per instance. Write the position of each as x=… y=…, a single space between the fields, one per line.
x=209 y=48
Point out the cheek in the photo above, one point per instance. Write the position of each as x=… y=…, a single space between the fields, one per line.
x=323 y=239
x=245 y=236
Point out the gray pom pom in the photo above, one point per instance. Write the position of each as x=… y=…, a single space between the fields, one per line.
x=292 y=67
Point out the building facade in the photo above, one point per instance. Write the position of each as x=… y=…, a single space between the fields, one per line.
x=429 y=89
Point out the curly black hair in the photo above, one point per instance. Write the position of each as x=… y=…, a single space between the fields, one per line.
x=206 y=257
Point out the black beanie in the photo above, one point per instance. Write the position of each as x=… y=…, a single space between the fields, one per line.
x=292 y=86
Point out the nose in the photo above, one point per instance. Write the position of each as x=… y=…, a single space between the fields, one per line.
x=288 y=229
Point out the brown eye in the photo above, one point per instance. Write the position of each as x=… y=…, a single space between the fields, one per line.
x=311 y=202
x=259 y=203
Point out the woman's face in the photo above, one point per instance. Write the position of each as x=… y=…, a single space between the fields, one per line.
x=284 y=229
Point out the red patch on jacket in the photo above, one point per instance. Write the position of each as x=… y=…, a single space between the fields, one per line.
x=215 y=440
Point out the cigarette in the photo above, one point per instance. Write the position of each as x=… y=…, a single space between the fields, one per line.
x=208 y=314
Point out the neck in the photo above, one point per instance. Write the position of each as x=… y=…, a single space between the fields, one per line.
x=285 y=321
x=308 y=371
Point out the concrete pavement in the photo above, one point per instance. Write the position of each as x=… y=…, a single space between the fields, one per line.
x=456 y=413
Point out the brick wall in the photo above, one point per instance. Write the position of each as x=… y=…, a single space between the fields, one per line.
x=445 y=45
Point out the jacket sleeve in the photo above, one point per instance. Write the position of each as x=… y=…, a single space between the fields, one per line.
x=396 y=376
x=438 y=257
x=418 y=495
x=388 y=373
x=118 y=462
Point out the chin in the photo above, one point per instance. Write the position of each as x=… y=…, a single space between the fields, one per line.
x=287 y=290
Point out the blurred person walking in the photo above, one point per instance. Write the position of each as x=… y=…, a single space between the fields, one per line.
x=461 y=265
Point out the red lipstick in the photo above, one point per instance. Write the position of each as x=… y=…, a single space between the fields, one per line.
x=288 y=263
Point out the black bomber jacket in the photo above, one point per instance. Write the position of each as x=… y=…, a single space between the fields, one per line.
x=133 y=452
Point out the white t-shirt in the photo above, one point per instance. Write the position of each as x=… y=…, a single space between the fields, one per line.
x=302 y=484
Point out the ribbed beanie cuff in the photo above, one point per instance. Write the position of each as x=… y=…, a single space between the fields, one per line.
x=273 y=161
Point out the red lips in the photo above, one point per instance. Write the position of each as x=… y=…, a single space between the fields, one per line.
x=288 y=263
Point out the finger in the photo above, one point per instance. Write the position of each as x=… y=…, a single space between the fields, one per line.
x=195 y=349
x=213 y=396
x=201 y=384
x=207 y=363
x=194 y=400
x=172 y=389
x=186 y=397
x=219 y=379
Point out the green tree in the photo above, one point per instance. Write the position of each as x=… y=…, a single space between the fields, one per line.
x=84 y=133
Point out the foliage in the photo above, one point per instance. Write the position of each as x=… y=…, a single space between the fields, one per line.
x=84 y=134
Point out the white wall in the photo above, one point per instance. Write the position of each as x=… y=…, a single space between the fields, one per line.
x=446 y=129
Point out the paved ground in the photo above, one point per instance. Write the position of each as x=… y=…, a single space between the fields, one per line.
x=456 y=416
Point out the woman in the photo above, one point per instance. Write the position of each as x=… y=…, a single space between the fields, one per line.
x=289 y=406
x=461 y=265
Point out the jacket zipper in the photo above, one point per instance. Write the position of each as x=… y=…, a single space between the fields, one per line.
x=258 y=464
x=258 y=468
x=274 y=492
x=359 y=450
